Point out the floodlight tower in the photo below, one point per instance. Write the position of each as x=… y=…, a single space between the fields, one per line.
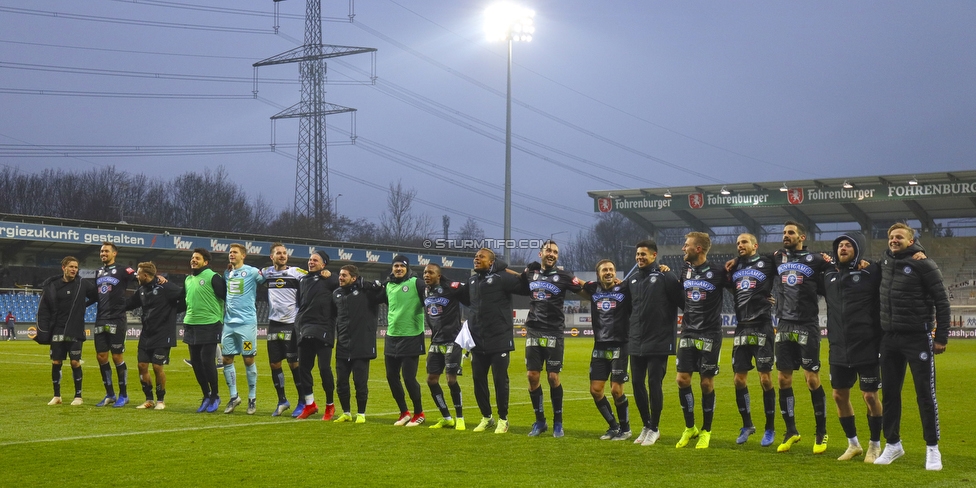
x=510 y=23
x=312 y=174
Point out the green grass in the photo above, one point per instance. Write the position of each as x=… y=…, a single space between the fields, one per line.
x=82 y=446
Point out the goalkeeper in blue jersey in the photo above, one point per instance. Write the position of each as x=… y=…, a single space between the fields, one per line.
x=240 y=334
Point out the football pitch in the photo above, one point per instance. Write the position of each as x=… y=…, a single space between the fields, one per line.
x=87 y=446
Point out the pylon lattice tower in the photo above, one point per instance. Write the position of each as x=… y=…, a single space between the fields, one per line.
x=312 y=198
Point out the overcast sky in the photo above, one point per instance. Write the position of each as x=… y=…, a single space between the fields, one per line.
x=609 y=94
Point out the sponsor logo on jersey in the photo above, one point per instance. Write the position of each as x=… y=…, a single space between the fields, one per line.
x=745 y=284
x=544 y=285
x=442 y=301
x=749 y=272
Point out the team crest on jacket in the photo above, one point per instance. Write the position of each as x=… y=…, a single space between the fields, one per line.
x=203 y=282
x=696 y=200
x=856 y=278
x=405 y=288
x=555 y=278
x=908 y=270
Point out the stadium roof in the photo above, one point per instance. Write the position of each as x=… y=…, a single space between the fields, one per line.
x=863 y=200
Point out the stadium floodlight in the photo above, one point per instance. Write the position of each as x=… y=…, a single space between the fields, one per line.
x=848 y=185
x=913 y=181
x=725 y=191
x=508 y=22
x=667 y=194
x=784 y=188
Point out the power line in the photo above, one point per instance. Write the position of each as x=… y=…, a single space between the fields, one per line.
x=538 y=111
x=76 y=93
x=105 y=151
x=224 y=10
x=438 y=206
x=405 y=159
x=605 y=104
x=141 y=74
x=127 y=51
x=142 y=23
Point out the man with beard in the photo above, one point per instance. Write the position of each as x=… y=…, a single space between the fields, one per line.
x=404 y=342
x=283 y=282
x=357 y=304
x=316 y=327
x=798 y=334
x=204 y=294
x=854 y=334
x=701 y=335
x=912 y=293
x=442 y=314
x=544 y=343
x=109 y=330
x=752 y=282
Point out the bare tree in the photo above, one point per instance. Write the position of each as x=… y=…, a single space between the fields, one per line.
x=612 y=237
x=471 y=230
x=399 y=224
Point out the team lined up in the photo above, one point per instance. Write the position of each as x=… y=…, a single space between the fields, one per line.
x=885 y=307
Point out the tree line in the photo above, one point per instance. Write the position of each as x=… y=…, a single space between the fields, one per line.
x=206 y=200
x=210 y=200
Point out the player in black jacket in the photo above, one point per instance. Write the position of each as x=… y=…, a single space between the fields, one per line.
x=854 y=334
x=700 y=344
x=357 y=305
x=610 y=307
x=546 y=286
x=160 y=303
x=489 y=296
x=656 y=295
x=912 y=292
x=798 y=332
x=751 y=279
x=61 y=322
x=315 y=325
x=109 y=331
x=442 y=315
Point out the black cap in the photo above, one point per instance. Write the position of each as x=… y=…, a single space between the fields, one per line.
x=400 y=258
x=324 y=255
